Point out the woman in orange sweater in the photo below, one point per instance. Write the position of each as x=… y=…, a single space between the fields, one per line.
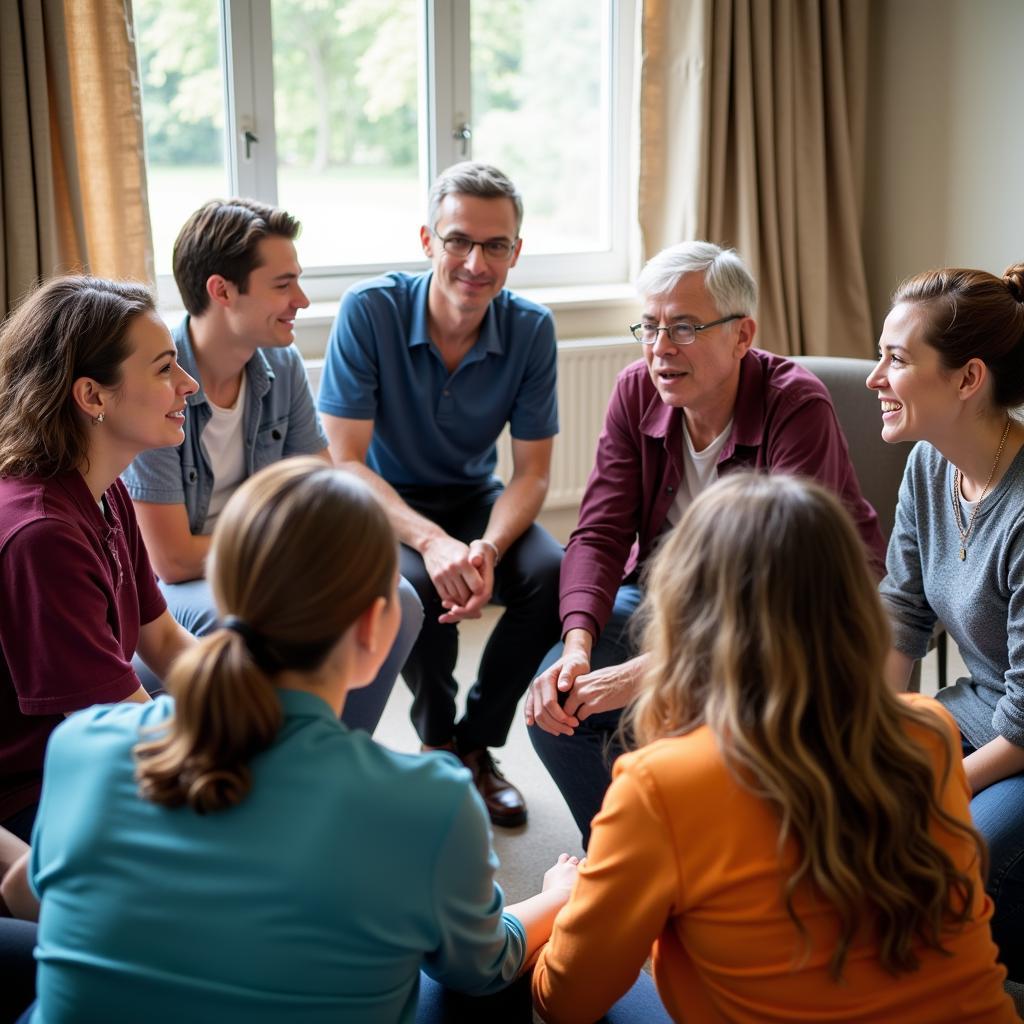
x=791 y=837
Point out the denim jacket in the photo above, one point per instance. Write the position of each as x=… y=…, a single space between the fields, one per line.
x=280 y=420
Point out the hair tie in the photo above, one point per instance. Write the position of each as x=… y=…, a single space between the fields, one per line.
x=242 y=628
x=254 y=641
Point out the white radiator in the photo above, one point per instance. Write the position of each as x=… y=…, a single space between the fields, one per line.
x=586 y=375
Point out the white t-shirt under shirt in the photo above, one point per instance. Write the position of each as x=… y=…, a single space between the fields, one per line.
x=700 y=471
x=224 y=444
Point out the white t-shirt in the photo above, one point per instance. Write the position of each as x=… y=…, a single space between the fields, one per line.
x=700 y=471
x=224 y=444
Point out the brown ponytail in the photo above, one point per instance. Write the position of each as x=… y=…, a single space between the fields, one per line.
x=222 y=697
x=299 y=553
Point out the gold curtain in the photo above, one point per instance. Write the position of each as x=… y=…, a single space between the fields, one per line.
x=752 y=126
x=72 y=167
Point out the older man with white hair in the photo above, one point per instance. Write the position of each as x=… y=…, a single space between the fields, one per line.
x=701 y=403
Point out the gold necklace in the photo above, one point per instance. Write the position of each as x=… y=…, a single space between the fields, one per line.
x=957 y=477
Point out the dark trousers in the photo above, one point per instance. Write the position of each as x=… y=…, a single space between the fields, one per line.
x=21 y=822
x=17 y=967
x=513 y=1005
x=525 y=582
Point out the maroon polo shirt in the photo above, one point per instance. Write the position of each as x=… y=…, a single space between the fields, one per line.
x=75 y=585
x=783 y=422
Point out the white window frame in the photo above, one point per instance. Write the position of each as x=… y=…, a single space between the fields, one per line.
x=251 y=151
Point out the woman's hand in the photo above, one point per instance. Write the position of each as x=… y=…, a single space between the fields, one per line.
x=562 y=877
x=537 y=914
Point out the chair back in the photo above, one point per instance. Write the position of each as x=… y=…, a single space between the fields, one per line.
x=879 y=466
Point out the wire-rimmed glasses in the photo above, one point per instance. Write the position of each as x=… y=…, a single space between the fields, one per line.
x=682 y=333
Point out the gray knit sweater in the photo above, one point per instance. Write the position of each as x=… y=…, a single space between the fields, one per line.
x=980 y=601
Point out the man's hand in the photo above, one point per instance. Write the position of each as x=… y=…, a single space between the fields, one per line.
x=607 y=689
x=482 y=556
x=451 y=569
x=542 y=705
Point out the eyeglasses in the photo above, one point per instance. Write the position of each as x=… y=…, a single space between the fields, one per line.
x=461 y=246
x=679 y=334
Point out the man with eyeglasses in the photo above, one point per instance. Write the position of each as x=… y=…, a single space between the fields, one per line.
x=702 y=402
x=423 y=372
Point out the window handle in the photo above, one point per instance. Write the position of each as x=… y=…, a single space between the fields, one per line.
x=463 y=133
x=250 y=138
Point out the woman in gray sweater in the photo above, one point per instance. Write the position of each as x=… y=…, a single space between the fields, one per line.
x=950 y=374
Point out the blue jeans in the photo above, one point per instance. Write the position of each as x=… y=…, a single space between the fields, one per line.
x=192 y=605
x=998 y=813
x=581 y=764
x=513 y=1005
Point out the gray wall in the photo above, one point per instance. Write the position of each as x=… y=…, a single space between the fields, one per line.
x=945 y=176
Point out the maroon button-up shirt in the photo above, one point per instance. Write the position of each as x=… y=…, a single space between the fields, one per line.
x=783 y=422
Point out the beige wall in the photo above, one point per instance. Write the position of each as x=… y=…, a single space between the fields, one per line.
x=945 y=176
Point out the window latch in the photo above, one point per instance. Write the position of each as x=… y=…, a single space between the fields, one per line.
x=463 y=133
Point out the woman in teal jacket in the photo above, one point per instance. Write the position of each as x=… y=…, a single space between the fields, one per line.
x=237 y=853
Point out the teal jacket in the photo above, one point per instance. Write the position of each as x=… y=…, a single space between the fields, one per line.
x=317 y=899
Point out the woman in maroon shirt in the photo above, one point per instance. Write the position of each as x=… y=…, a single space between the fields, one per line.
x=88 y=379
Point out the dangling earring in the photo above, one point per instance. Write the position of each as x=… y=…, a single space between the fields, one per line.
x=98 y=419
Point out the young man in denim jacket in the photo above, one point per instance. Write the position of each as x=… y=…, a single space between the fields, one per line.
x=238 y=274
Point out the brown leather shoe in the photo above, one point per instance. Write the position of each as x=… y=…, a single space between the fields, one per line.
x=504 y=803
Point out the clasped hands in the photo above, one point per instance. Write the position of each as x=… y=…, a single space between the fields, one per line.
x=589 y=692
x=462 y=574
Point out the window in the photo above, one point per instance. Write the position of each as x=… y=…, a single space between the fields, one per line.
x=183 y=112
x=343 y=111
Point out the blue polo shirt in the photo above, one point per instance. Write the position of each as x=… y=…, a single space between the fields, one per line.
x=432 y=427
x=317 y=899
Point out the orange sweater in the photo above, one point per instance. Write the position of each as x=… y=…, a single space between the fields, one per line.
x=684 y=858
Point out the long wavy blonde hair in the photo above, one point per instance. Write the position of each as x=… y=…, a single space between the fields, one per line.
x=763 y=623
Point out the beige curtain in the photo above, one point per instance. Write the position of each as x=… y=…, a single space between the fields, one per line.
x=752 y=129
x=72 y=168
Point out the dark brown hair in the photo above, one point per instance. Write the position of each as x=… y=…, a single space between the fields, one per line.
x=975 y=315
x=69 y=328
x=300 y=551
x=764 y=624
x=221 y=237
